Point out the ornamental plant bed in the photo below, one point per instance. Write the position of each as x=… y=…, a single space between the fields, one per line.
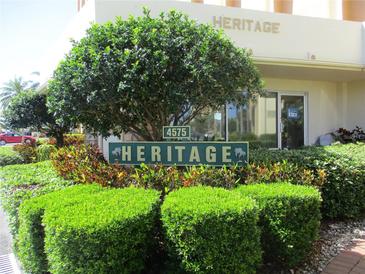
x=78 y=217
x=337 y=171
x=85 y=164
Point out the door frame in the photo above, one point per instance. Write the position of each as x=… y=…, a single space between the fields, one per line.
x=279 y=124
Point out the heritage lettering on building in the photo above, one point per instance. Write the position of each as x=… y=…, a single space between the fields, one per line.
x=179 y=153
x=242 y=24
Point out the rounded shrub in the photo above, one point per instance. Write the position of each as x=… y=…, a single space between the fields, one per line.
x=289 y=219
x=27 y=152
x=9 y=157
x=212 y=230
x=30 y=240
x=87 y=229
x=106 y=232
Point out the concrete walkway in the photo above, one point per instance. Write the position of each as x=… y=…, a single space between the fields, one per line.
x=5 y=238
x=8 y=262
x=349 y=261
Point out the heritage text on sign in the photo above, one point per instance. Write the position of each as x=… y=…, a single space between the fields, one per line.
x=178 y=153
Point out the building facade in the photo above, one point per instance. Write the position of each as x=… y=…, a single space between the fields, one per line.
x=313 y=67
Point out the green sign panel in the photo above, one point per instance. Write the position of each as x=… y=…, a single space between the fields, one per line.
x=178 y=153
x=176 y=132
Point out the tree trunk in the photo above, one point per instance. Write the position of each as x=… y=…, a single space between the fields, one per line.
x=59 y=139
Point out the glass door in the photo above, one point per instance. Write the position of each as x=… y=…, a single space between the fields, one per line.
x=292 y=121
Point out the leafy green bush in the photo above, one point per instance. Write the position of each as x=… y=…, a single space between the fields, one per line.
x=289 y=218
x=354 y=151
x=88 y=230
x=342 y=171
x=212 y=230
x=226 y=177
x=30 y=240
x=85 y=164
x=44 y=152
x=9 y=157
x=21 y=182
x=279 y=172
x=164 y=179
x=27 y=152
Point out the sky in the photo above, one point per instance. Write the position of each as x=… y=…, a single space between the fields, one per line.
x=27 y=29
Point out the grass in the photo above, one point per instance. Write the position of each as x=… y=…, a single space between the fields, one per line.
x=7 y=151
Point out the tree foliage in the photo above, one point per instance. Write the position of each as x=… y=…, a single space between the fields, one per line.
x=139 y=74
x=29 y=109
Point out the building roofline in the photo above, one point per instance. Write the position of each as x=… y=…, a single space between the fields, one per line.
x=260 y=60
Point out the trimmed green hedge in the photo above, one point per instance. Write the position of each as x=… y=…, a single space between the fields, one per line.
x=30 y=240
x=289 y=218
x=21 y=182
x=212 y=230
x=343 y=190
x=354 y=151
x=9 y=157
x=88 y=230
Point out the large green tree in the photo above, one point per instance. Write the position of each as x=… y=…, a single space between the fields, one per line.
x=139 y=74
x=29 y=109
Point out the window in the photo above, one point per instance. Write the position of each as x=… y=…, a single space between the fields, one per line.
x=255 y=122
x=209 y=126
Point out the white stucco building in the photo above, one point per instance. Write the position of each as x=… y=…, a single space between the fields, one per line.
x=313 y=66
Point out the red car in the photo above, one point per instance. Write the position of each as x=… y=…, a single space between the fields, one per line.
x=12 y=137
